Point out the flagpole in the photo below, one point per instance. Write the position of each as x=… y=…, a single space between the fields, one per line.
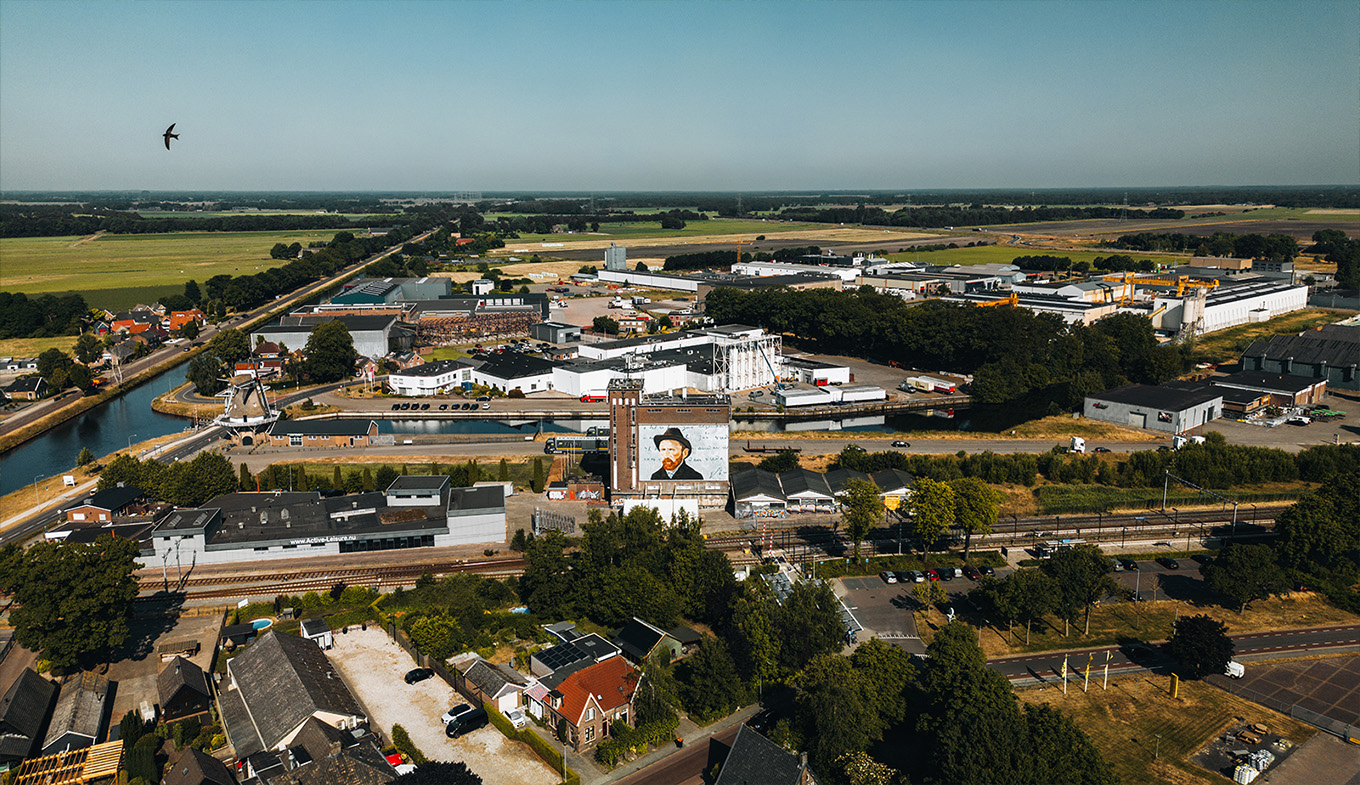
x=1086 y=683
x=1106 y=685
x=1064 y=674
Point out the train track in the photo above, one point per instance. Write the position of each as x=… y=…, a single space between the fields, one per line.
x=741 y=548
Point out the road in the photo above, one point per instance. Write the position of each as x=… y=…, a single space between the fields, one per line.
x=1047 y=666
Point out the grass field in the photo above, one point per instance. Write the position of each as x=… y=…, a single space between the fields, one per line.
x=1004 y=254
x=126 y=265
x=376 y=218
x=1146 y=621
x=32 y=347
x=1125 y=720
x=1226 y=346
x=649 y=229
x=1064 y=499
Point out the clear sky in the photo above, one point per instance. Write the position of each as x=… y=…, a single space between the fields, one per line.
x=576 y=96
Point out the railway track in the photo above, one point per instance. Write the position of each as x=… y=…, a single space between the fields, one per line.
x=740 y=547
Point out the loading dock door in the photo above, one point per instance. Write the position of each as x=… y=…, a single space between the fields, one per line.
x=1138 y=419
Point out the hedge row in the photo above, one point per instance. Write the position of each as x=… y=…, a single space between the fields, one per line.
x=627 y=740
x=544 y=750
x=405 y=746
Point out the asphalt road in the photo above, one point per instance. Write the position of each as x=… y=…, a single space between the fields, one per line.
x=1259 y=646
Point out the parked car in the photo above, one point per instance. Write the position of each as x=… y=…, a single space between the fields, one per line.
x=932 y=575
x=1117 y=566
x=483 y=398
x=466 y=724
x=1168 y=562
x=486 y=406
x=1129 y=564
x=918 y=577
x=972 y=572
x=396 y=406
x=987 y=570
x=424 y=406
x=443 y=407
x=1202 y=558
x=418 y=674
x=517 y=718
x=888 y=577
x=900 y=443
x=1101 y=449
x=455 y=713
x=903 y=576
x=757 y=393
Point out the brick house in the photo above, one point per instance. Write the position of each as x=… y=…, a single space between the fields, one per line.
x=29 y=388
x=323 y=433
x=178 y=319
x=591 y=698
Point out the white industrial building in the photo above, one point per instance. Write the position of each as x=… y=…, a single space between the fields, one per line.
x=849 y=275
x=1200 y=312
x=718 y=359
x=433 y=378
x=414 y=512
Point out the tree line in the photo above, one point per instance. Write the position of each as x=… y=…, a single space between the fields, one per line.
x=976 y=214
x=1213 y=464
x=1334 y=246
x=30 y=220
x=41 y=316
x=1017 y=356
x=1275 y=246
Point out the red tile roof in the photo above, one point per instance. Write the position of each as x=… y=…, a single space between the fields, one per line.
x=612 y=683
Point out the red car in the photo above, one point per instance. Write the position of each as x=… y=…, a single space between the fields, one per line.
x=972 y=572
x=932 y=575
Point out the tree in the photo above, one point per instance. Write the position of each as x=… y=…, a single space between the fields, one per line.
x=928 y=593
x=709 y=684
x=330 y=353
x=606 y=325
x=1201 y=645
x=192 y=293
x=437 y=772
x=1321 y=529
x=1082 y=575
x=889 y=673
x=246 y=482
x=231 y=346
x=1243 y=573
x=536 y=484
x=74 y=600
x=1060 y=752
x=80 y=376
x=384 y=477
x=1031 y=594
x=88 y=348
x=861 y=508
x=837 y=708
x=279 y=251
x=976 y=507
x=85 y=458
x=189 y=330
x=503 y=471
x=809 y=624
x=753 y=632
x=860 y=769
x=932 y=510
x=54 y=365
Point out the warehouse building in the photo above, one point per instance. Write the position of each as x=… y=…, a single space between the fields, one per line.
x=761 y=494
x=414 y=512
x=373 y=335
x=376 y=291
x=555 y=332
x=1331 y=352
x=1171 y=408
x=1281 y=389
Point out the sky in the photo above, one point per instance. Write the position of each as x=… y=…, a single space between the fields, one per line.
x=714 y=96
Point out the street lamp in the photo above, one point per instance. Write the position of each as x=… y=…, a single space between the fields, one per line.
x=129 y=442
x=36 y=500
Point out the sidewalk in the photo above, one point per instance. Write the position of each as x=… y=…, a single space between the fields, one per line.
x=592 y=773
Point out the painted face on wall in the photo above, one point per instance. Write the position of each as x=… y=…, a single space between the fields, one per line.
x=673 y=454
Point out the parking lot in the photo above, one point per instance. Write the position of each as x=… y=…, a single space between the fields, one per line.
x=373 y=665
x=884 y=610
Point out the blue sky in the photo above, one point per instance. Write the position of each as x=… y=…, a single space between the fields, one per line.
x=576 y=96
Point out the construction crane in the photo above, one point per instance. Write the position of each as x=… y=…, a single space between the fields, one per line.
x=1014 y=299
x=1181 y=282
x=740 y=243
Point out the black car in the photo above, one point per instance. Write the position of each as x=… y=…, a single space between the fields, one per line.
x=443 y=406
x=1129 y=564
x=424 y=406
x=1168 y=562
x=987 y=570
x=418 y=674
x=1202 y=558
x=396 y=406
x=1101 y=449
x=901 y=443
x=466 y=723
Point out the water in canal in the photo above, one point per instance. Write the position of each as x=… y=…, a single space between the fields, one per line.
x=103 y=429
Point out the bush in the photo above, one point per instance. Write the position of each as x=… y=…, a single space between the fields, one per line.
x=402 y=741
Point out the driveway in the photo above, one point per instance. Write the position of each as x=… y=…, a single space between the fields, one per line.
x=373 y=664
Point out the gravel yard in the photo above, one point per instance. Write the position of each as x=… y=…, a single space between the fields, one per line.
x=373 y=666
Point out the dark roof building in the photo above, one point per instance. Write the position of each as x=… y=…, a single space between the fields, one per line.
x=23 y=710
x=755 y=760
x=1283 y=389
x=1331 y=352
x=639 y=640
x=322 y=755
x=78 y=720
x=276 y=685
x=193 y=767
x=1172 y=407
x=556 y=662
x=183 y=690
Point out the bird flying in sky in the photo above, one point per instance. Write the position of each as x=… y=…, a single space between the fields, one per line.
x=169 y=134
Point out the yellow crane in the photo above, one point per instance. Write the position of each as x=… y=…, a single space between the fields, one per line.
x=1181 y=282
x=1012 y=300
x=740 y=243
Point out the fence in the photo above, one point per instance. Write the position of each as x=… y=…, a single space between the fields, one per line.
x=1335 y=727
x=544 y=520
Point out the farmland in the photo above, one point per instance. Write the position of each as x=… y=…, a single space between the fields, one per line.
x=1004 y=254
x=115 y=271
x=652 y=229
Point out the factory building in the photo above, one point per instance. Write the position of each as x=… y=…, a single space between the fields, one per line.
x=373 y=336
x=1331 y=352
x=414 y=512
x=1204 y=311
x=1175 y=407
x=432 y=378
x=377 y=291
x=668 y=452
x=849 y=275
x=718 y=359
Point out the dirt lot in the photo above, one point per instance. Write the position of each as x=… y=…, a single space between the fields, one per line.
x=372 y=665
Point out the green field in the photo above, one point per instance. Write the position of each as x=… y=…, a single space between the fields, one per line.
x=136 y=267
x=1226 y=346
x=1004 y=254
x=376 y=218
x=716 y=226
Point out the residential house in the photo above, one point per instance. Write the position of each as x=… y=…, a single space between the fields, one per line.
x=755 y=760
x=590 y=699
x=641 y=641
x=23 y=710
x=183 y=690
x=275 y=687
x=134 y=321
x=178 y=319
x=78 y=720
x=499 y=685
x=321 y=754
x=572 y=655
x=106 y=505
x=29 y=388
x=192 y=767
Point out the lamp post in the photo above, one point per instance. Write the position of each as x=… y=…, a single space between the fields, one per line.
x=129 y=442
x=36 y=500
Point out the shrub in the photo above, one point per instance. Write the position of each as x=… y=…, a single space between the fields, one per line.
x=406 y=747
